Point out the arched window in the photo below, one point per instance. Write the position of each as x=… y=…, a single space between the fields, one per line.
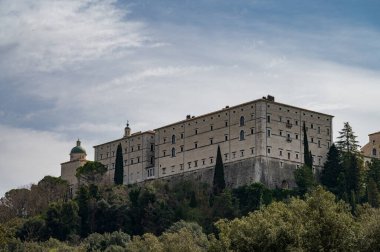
x=242 y=121
x=173 y=139
x=242 y=135
x=374 y=152
x=173 y=152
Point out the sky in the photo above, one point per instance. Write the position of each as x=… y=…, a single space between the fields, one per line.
x=74 y=69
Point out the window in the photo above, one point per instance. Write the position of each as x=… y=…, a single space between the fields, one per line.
x=328 y=145
x=132 y=149
x=319 y=130
x=233 y=154
x=196 y=132
x=113 y=153
x=211 y=160
x=297 y=123
x=138 y=159
x=195 y=145
x=288 y=155
x=280 y=118
x=374 y=152
x=151 y=160
x=281 y=164
x=297 y=136
x=150 y=172
x=164 y=139
x=312 y=139
x=211 y=140
x=252 y=151
x=173 y=152
x=268 y=132
x=131 y=161
x=312 y=126
x=242 y=153
x=280 y=132
x=138 y=147
x=252 y=131
x=226 y=124
x=101 y=156
x=173 y=139
x=212 y=127
x=328 y=132
x=181 y=167
x=189 y=165
x=226 y=138
x=241 y=135
x=181 y=148
x=280 y=152
x=226 y=157
x=196 y=163
x=297 y=156
x=268 y=150
x=152 y=147
x=164 y=153
x=164 y=170
x=319 y=143
x=242 y=121
x=268 y=119
x=203 y=161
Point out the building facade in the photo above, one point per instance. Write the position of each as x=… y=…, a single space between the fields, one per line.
x=68 y=169
x=138 y=156
x=372 y=148
x=260 y=141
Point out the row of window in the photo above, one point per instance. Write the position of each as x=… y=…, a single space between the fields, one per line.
x=289 y=124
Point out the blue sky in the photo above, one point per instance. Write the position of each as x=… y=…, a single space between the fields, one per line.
x=72 y=69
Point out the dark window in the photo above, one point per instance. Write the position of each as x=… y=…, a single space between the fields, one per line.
x=211 y=127
x=173 y=139
x=196 y=132
x=181 y=135
x=181 y=148
x=151 y=147
x=211 y=141
x=241 y=135
x=173 y=152
x=225 y=138
x=226 y=124
x=374 y=152
x=242 y=121
x=268 y=119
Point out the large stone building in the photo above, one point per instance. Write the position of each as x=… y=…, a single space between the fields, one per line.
x=261 y=141
x=372 y=148
x=68 y=169
x=138 y=155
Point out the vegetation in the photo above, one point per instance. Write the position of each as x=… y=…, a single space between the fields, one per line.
x=119 y=166
x=341 y=214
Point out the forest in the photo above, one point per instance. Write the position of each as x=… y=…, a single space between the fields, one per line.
x=335 y=210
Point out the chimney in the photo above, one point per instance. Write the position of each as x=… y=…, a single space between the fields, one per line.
x=270 y=98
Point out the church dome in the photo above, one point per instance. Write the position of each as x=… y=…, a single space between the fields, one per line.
x=78 y=149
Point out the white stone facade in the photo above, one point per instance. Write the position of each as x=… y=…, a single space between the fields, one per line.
x=260 y=141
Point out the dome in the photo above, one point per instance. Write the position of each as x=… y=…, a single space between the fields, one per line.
x=78 y=149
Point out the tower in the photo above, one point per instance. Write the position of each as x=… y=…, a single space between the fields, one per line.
x=127 y=130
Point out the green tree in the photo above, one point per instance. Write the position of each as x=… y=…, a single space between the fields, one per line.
x=119 y=167
x=331 y=170
x=34 y=229
x=304 y=179
x=347 y=142
x=307 y=156
x=373 y=193
x=91 y=172
x=62 y=220
x=318 y=223
x=218 y=182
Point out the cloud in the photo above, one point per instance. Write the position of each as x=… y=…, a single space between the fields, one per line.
x=26 y=156
x=48 y=35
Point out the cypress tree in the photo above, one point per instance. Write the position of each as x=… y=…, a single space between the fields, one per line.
x=308 y=158
x=119 y=169
x=218 y=183
x=347 y=140
x=331 y=170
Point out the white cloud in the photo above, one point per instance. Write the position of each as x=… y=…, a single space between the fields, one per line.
x=26 y=156
x=49 y=35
